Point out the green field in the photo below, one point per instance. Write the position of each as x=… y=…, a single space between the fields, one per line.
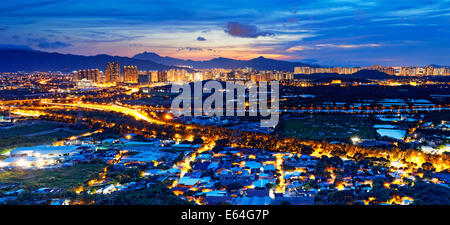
x=66 y=178
x=326 y=127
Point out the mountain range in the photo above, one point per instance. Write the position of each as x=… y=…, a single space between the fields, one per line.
x=23 y=59
x=259 y=63
x=28 y=60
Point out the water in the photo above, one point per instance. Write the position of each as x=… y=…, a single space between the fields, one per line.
x=385 y=126
x=392 y=133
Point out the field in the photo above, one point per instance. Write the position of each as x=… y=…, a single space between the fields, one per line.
x=326 y=127
x=66 y=178
x=34 y=133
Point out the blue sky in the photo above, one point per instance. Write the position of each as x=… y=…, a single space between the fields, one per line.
x=326 y=32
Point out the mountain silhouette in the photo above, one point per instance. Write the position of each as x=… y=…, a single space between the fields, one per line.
x=259 y=63
x=28 y=60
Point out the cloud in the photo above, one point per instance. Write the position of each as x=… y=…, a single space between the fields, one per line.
x=99 y=37
x=136 y=45
x=310 y=60
x=246 y=31
x=44 y=43
x=293 y=20
x=189 y=49
x=348 y=46
x=192 y=49
x=320 y=46
x=28 y=6
x=56 y=44
x=299 y=48
x=299 y=26
x=294 y=9
x=10 y=46
x=201 y=39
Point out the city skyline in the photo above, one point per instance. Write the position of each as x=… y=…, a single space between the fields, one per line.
x=328 y=33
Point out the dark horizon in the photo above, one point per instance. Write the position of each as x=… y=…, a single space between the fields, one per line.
x=27 y=48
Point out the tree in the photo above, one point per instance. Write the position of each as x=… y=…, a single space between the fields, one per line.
x=197 y=140
x=428 y=166
x=285 y=202
x=306 y=150
x=218 y=185
x=270 y=185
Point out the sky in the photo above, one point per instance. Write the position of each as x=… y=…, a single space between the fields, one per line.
x=324 y=32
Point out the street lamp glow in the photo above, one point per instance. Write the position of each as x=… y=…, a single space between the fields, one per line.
x=168 y=117
x=355 y=139
x=22 y=163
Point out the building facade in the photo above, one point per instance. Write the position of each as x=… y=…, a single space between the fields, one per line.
x=130 y=74
x=113 y=73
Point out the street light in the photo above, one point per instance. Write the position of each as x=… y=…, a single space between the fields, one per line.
x=355 y=139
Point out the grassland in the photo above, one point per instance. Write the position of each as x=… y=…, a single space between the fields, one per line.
x=326 y=127
x=66 y=178
x=33 y=133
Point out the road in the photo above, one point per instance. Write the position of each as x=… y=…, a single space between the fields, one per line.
x=111 y=108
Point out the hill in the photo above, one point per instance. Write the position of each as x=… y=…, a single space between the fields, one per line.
x=28 y=60
x=259 y=63
x=360 y=75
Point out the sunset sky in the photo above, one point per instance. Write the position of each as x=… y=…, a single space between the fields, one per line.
x=326 y=32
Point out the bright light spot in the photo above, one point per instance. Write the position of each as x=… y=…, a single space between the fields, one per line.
x=21 y=163
x=355 y=139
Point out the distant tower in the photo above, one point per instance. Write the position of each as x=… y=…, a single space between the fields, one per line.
x=113 y=72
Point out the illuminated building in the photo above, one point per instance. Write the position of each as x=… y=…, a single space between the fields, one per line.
x=162 y=76
x=75 y=75
x=130 y=74
x=84 y=83
x=113 y=72
x=101 y=77
x=177 y=75
x=89 y=74
x=143 y=77
x=170 y=75
x=398 y=70
x=198 y=76
x=153 y=76
x=336 y=82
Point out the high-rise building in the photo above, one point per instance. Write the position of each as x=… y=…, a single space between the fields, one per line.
x=198 y=76
x=113 y=72
x=130 y=74
x=101 y=77
x=154 y=76
x=170 y=75
x=143 y=77
x=75 y=76
x=89 y=74
x=162 y=76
